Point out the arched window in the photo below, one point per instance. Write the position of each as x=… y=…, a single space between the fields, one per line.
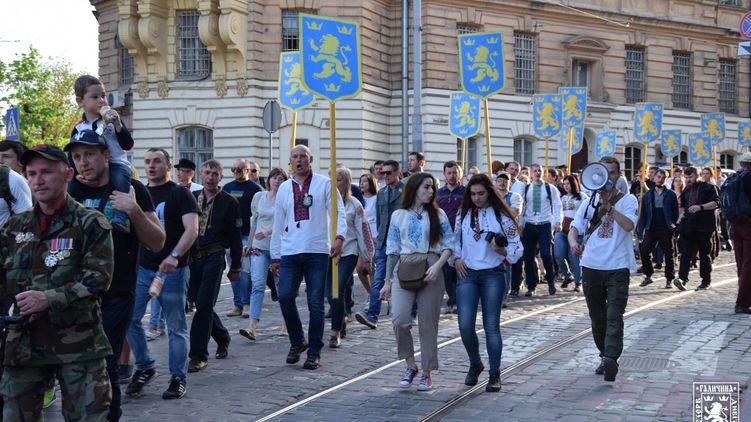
x=727 y=160
x=632 y=161
x=524 y=150
x=195 y=143
x=683 y=159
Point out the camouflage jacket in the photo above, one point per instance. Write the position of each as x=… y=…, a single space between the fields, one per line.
x=72 y=264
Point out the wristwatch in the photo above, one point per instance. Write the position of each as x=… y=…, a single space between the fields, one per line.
x=174 y=254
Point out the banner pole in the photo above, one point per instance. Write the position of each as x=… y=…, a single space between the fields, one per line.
x=641 y=185
x=464 y=154
x=715 y=171
x=334 y=192
x=487 y=137
x=294 y=131
x=547 y=148
x=570 y=141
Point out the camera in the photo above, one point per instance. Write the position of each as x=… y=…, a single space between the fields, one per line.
x=500 y=240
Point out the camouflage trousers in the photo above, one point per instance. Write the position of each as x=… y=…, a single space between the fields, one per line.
x=85 y=388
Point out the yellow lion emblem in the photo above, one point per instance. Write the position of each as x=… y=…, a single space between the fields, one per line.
x=701 y=150
x=646 y=124
x=546 y=118
x=672 y=146
x=605 y=146
x=327 y=52
x=464 y=114
x=746 y=134
x=571 y=108
x=293 y=80
x=714 y=130
x=485 y=64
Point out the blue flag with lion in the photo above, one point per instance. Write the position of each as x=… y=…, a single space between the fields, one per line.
x=481 y=63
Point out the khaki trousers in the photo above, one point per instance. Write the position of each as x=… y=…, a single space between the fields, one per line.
x=429 y=300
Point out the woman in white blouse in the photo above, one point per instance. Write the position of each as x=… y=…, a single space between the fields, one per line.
x=418 y=231
x=487 y=244
x=569 y=204
x=369 y=188
x=259 y=244
x=357 y=242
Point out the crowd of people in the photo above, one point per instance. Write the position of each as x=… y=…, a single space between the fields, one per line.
x=110 y=248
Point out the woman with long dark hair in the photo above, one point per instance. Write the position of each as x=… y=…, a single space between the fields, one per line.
x=418 y=232
x=369 y=188
x=487 y=243
x=570 y=202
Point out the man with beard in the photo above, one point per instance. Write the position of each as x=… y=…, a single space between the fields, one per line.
x=657 y=222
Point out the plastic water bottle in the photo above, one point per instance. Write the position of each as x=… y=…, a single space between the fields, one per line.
x=156 y=284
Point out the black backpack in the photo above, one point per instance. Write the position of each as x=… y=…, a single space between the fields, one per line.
x=734 y=202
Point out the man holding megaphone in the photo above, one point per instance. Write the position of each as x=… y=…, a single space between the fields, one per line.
x=606 y=221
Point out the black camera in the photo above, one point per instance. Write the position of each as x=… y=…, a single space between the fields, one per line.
x=500 y=240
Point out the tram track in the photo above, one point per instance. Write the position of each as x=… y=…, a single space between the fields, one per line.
x=519 y=365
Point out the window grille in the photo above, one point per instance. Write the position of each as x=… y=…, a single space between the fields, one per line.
x=193 y=59
x=126 y=65
x=634 y=74
x=524 y=151
x=195 y=144
x=525 y=63
x=728 y=87
x=682 y=93
x=727 y=161
x=462 y=28
x=290 y=31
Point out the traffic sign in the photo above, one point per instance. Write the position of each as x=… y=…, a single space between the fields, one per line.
x=745 y=26
x=744 y=48
x=12 y=130
x=272 y=116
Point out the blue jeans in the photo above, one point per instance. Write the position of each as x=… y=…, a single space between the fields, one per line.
x=489 y=288
x=533 y=237
x=259 y=269
x=156 y=319
x=346 y=267
x=205 y=281
x=312 y=266
x=562 y=254
x=120 y=176
x=241 y=288
x=172 y=301
x=374 y=304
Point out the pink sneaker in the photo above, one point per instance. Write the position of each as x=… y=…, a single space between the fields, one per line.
x=409 y=375
x=425 y=383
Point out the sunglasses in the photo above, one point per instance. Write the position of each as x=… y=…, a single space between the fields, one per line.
x=386 y=172
x=236 y=169
x=254 y=171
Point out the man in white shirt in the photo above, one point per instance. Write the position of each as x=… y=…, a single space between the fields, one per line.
x=607 y=261
x=541 y=215
x=516 y=185
x=301 y=246
x=186 y=170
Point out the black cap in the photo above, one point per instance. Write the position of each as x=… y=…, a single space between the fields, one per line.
x=184 y=163
x=47 y=152
x=85 y=137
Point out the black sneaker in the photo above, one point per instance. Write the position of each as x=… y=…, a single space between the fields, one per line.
x=175 y=390
x=610 y=367
x=647 y=281
x=294 y=353
x=703 y=286
x=363 y=319
x=514 y=293
x=529 y=293
x=552 y=290
x=567 y=281
x=140 y=379
x=658 y=265
x=125 y=373
x=494 y=383
x=473 y=374
x=222 y=350
x=681 y=285
x=600 y=368
x=668 y=284
x=197 y=365
x=312 y=363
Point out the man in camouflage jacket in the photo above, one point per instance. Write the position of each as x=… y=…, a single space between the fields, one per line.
x=57 y=261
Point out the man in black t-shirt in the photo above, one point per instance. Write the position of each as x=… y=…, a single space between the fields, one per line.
x=243 y=189
x=178 y=213
x=93 y=188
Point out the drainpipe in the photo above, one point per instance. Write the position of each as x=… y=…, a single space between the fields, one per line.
x=405 y=84
x=417 y=78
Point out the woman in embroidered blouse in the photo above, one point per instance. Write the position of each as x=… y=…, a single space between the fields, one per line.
x=570 y=204
x=418 y=229
x=358 y=242
x=369 y=188
x=259 y=244
x=483 y=265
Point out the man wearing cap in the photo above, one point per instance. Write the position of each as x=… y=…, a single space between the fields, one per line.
x=93 y=188
x=741 y=233
x=186 y=170
x=57 y=261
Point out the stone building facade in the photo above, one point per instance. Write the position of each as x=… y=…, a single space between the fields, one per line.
x=193 y=75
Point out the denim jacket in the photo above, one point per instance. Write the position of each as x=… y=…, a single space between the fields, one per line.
x=384 y=209
x=669 y=208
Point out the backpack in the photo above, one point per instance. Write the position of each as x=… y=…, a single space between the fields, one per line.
x=547 y=190
x=734 y=202
x=5 y=188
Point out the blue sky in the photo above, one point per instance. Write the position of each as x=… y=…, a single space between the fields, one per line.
x=64 y=29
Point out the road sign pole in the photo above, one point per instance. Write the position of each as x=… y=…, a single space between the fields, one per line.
x=271 y=152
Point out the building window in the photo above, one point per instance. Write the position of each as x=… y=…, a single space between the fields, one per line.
x=290 y=31
x=524 y=151
x=580 y=73
x=634 y=74
x=301 y=141
x=632 y=163
x=525 y=63
x=727 y=161
x=731 y=2
x=466 y=28
x=193 y=59
x=471 y=151
x=126 y=64
x=195 y=144
x=682 y=95
x=683 y=159
x=728 y=86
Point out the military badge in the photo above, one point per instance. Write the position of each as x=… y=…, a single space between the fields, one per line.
x=50 y=260
x=24 y=237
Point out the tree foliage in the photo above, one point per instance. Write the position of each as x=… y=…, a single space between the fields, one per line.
x=43 y=93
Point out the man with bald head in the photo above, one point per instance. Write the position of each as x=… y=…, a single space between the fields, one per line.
x=301 y=247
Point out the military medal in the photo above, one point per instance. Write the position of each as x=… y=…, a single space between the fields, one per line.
x=50 y=261
x=59 y=250
x=307 y=200
x=24 y=237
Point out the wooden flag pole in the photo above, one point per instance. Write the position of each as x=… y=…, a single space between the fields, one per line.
x=334 y=192
x=487 y=137
x=641 y=187
x=294 y=131
x=547 y=147
x=714 y=170
x=570 y=141
x=464 y=154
